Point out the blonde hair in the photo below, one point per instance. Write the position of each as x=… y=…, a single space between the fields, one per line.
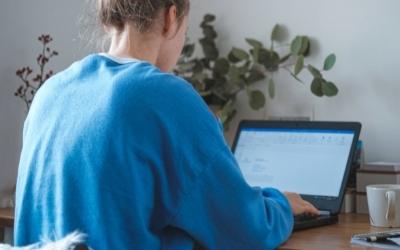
x=142 y=13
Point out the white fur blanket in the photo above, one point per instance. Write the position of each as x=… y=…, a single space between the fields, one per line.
x=68 y=243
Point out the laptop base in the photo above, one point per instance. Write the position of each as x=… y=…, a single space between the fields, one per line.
x=315 y=222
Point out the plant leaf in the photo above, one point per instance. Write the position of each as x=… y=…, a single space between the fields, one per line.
x=315 y=72
x=271 y=88
x=257 y=99
x=209 y=32
x=221 y=66
x=300 y=46
x=227 y=111
x=240 y=54
x=232 y=58
x=329 y=89
x=255 y=53
x=305 y=45
x=275 y=33
x=255 y=76
x=199 y=76
x=209 y=49
x=209 y=18
x=316 y=87
x=270 y=59
x=254 y=43
x=187 y=66
x=188 y=50
x=198 y=68
x=330 y=62
x=296 y=46
x=234 y=75
x=299 y=65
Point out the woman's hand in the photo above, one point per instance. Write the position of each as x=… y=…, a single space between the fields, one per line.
x=300 y=206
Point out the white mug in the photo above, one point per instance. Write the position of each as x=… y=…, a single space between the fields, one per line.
x=384 y=205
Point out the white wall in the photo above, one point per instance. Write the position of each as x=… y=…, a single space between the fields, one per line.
x=365 y=36
x=21 y=22
x=363 y=33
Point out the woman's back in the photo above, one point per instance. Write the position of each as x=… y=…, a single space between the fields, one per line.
x=99 y=153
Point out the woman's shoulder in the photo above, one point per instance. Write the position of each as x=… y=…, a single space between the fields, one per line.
x=129 y=76
x=145 y=81
x=129 y=84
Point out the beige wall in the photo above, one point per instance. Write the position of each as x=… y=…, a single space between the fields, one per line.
x=365 y=36
x=21 y=22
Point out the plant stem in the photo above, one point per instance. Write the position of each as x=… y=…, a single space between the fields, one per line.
x=287 y=65
x=41 y=65
x=288 y=70
x=26 y=103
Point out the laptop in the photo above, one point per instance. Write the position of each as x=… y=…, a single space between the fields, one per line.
x=309 y=158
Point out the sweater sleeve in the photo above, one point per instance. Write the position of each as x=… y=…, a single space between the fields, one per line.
x=216 y=206
x=223 y=212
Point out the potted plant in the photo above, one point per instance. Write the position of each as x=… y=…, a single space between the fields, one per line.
x=219 y=78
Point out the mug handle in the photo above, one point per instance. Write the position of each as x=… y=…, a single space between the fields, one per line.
x=391 y=210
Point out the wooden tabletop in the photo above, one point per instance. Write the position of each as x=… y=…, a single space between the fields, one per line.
x=334 y=236
x=331 y=237
x=6 y=217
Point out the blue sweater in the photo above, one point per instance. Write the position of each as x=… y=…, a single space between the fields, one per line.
x=132 y=157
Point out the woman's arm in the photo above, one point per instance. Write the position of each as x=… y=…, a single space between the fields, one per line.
x=223 y=212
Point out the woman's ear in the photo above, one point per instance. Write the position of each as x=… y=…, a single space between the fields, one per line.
x=171 y=22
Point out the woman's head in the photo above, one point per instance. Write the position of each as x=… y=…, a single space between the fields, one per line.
x=142 y=13
x=165 y=18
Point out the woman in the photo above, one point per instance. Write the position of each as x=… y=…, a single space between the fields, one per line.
x=118 y=148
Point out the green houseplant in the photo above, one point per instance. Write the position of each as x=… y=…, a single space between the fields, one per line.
x=219 y=78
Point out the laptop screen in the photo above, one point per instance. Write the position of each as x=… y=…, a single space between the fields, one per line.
x=306 y=161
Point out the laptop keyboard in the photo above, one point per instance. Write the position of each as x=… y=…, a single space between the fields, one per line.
x=307 y=217
x=305 y=221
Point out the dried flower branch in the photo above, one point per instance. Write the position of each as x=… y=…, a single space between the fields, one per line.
x=32 y=81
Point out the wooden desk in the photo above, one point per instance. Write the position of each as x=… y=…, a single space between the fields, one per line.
x=328 y=237
x=332 y=237
x=6 y=220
